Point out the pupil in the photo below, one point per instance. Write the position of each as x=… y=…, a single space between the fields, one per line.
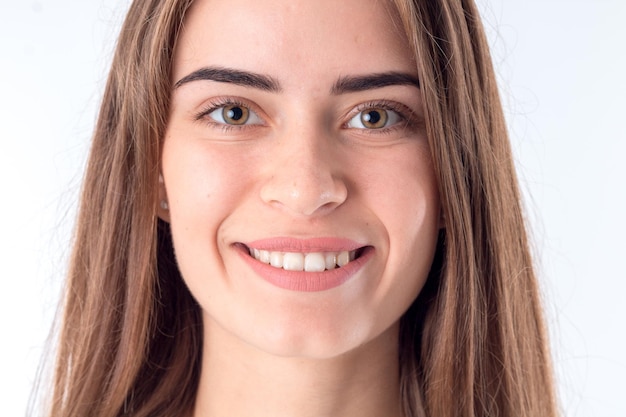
x=373 y=117
x=235 y=113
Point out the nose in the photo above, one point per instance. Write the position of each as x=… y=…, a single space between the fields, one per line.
x=304 y=175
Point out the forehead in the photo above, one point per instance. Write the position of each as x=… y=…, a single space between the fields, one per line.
x=293 y=39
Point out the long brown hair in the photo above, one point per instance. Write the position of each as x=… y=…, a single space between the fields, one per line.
x=472 y=344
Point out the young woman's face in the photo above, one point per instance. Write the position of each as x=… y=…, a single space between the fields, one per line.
x=296 y=137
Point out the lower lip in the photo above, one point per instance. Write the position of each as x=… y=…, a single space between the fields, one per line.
x=306 y=281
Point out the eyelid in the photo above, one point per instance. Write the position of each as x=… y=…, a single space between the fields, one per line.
x=406 y=115
x=220 y=102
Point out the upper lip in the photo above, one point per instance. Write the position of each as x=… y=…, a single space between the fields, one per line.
x=318 y=244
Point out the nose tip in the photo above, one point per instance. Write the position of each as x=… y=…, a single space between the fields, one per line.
x=304 y=189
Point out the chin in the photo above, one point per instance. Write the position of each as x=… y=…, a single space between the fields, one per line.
x=314 y=339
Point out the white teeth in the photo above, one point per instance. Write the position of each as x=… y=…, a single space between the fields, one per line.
x=293 y=261
x=314 y=262
x=330 y=260
x=309 y=262
x=264 y=256
x=343 y=258
x=276 y=259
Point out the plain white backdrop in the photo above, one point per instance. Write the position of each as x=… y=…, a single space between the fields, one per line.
x=562 y=69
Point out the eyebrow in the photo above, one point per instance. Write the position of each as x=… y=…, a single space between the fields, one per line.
x=232 y=76
x=346 y=84
x=352 y=84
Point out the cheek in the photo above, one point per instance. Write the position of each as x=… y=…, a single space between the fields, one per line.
x=203 y=188
x=403 y=194
x=202 y=185
x=402 y=191
x=417 y=211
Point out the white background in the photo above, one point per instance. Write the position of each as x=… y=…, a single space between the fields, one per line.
x=562 y=68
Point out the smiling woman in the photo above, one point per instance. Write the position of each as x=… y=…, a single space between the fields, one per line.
x=301 y=208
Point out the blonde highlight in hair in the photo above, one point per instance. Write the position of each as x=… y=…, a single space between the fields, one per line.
x=472 y=344
x=129 y=343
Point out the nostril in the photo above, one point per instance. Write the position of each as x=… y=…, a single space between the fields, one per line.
x=304 y=191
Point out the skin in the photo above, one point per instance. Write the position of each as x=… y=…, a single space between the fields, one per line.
x=302 y=167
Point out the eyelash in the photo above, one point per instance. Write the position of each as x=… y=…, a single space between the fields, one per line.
x=220 y=103
x=406 y=115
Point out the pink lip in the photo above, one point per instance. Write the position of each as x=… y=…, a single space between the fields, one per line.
x=301 y=280
x=319 y=244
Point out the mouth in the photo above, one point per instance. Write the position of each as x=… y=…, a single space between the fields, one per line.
x=309 y=265
x=306 y=261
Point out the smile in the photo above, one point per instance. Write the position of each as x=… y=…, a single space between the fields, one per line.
x=308 y=262
x=316 y=264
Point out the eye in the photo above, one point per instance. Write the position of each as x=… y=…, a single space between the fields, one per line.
x=234 y=115
x=374 y=118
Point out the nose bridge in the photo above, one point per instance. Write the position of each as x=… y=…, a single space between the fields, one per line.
x=305 y=173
